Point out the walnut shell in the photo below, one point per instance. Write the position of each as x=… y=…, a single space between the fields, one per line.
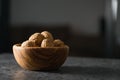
x=28 y=44
x=58 y=43
x=37 y=37
x=47 y=43
x=47 y=35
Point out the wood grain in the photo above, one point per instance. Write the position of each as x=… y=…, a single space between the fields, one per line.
x=37 y=58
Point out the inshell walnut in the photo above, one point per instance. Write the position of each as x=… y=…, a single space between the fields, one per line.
x=47 y=43
x=58 y=43
x=47 y=35
x=37 y=37
x=28 y=44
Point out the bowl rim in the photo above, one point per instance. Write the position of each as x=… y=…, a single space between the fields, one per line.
x=19 y=46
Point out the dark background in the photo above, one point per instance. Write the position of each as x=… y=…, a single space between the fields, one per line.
x=86 y=38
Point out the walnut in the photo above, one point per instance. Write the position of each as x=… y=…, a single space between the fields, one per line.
x=37 y=37
x=58 y=43
x=28 y=44
x=47 y=43
x=43 y=39
x=47 y=35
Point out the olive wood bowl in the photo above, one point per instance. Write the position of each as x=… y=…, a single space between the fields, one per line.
x=37 y=58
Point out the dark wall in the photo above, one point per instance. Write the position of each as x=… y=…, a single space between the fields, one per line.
x=4 y=23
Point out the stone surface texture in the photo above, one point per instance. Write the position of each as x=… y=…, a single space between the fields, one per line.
x=74 y=68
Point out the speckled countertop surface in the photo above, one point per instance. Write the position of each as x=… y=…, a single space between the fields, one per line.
x=75 y=68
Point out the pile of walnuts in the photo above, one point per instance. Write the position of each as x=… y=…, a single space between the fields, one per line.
x=43 y=39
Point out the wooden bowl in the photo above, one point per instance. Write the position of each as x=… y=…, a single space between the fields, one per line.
x=37 y=58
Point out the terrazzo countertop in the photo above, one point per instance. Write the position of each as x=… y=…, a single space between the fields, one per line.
x=74 y=68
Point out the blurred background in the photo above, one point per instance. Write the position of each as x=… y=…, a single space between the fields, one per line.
x=90 y=27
